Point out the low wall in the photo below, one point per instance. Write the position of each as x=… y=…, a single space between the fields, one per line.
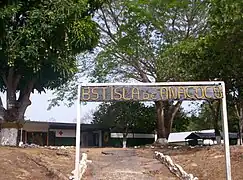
x=174 y=168
x=82 y=166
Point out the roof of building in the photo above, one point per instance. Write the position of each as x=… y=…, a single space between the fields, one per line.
x=180 y=136
x=202 y=135
x=86 y=127
x=198 y=135
x=233 y=135
x=62 y=125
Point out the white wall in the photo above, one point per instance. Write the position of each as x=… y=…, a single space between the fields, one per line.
x=131 y=135
x=64 y=132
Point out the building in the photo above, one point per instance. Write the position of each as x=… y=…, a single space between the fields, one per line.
x=209 y=138
x=179 y=138
x=132 y=139
x=92 y=135
x=57 y=134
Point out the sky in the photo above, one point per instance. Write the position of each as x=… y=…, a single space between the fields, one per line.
x=37 y=111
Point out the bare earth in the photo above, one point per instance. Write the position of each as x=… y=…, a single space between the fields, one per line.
x=35 y=164
x=206 y=163
x=117 y=164
x=120 y=164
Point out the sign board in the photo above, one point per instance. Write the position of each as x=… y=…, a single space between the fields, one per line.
x=65 y=133
x=149 y=93
x=103 y=92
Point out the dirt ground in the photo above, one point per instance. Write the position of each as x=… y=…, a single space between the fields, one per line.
x=35 y=163
x=206 y=163
x=124 y=164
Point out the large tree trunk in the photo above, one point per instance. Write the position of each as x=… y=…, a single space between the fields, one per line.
x=215 y=109
x=240 y=125
x=124 y=141
x=124 y=138
x=12 y=121
x=12 y=117
x=239 y=112
x=165 y=116
x=9 y=134
x=240 y=132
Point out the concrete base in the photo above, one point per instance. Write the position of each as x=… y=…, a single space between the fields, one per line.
x=218 y=139
x=162 y=141
x=8 y=137
x=124 y=143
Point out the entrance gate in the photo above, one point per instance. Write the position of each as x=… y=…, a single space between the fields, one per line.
x=105 y=92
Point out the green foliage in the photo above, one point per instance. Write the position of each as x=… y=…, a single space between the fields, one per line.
x=182 y=122
x=233 y=120
x=40 y=39
x=173 y=41
x=217 y=55
x=205 y=118
x=137 y=39
x=144 y=31
x=126 y=116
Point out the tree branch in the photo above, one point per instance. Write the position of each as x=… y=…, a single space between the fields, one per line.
x=114 y=15
x=237 y=111
x=176 y=108
x=108 y=31
x=135 y=65
x=149 y=68
x=25 y=93
x=16 y=82
x=5 y=80
x=23 y=100
x=9 y=82
x=2 y=110
x=1 y=102
x=10 y=76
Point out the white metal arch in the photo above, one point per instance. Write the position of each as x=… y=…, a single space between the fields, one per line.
x=220 y=84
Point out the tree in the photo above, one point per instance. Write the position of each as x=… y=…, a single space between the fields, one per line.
x=38 y=44
x=136 y=39
x=218 y=54
x=182 y=122
x=204 y=119
x=134 y=44
x=209 y=117
x=125 y=117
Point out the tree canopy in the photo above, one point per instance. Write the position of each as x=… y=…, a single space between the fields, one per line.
x=217 y=55
x=136 y=37
x=39 y=41
x=126 y=117
x=150 y=41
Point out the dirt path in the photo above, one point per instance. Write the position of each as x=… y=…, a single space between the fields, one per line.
x=120 y=164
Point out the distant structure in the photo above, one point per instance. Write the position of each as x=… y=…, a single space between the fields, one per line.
x=203 y=137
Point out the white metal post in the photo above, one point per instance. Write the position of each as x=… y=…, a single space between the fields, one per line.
x=226 y=134
x=77 y=158
x=202 y=83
